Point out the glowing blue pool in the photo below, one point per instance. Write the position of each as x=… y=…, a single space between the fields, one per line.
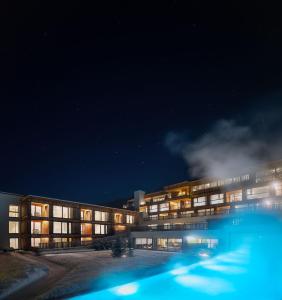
x=234 y=275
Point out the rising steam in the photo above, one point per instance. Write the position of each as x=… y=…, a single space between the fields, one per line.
x=227 y=149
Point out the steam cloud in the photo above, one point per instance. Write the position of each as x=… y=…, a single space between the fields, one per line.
x=226 y=150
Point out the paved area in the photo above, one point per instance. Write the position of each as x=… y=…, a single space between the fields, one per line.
x=69 y=274
x=96 y=270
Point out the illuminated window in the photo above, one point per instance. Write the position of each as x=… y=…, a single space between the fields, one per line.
x=164 y=206
x=57 y=211
x=129 y=219
x=174 y=205
x=143 y=243
x=118 y=218
x=217 y=198
x=39 y=242
x=100 y=229
x=101 y=215
x=60 y=227
x=86 y=214
x=86 y=228
x=13 y=211
x=13 y=227
x=14 y=243
x=67 y=212
x=35 y=227
x=234 y=196
x=200 y=201
x=258 y=192
x=153 y=208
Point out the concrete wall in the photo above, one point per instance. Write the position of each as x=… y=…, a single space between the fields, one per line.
x=5 y=200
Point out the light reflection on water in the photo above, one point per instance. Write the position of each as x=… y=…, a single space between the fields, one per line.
x=252 y=271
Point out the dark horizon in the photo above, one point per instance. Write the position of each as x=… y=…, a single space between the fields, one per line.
x=89 y=94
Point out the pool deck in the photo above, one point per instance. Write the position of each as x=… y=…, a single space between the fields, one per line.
x=74 y=273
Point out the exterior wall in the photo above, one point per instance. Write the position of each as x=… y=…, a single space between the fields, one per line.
x=37 y=222
x=6 y=200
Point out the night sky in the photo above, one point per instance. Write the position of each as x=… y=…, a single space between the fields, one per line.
x=89 y=93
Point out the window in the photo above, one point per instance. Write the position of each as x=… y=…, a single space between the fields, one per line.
x=129 y=219
x=57 y=211
x=86 y=228
x=174 y=244
x=143 y=209
x=36 y=210
x=200 y=201
x=69 y=227
x=153 y=208
x=101 y=216
x=164 y=206
x=39 y=242
x=118 y=218
x=143 y=243
x=13 y=227
x=60 y=227
x=206 y=212
x=100 y=229
x=35 y=227
x=14 y=243
x=234 y=196
x=86 y=214
x=187 y=213
x=174 y=205
x=67 y=212
x=258 y=192
x=13 y=211
x=217 y=198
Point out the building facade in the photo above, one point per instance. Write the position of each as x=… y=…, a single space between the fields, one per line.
x=188 y=213
x=29 y=222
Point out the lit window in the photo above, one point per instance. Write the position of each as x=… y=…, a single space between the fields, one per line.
x=200 y=201
x=67 y=212
x=153 y=208
x=13 y=211
x=86 y=214
x=217 y=198
x=258 y=192
x=60 y=227
x=100 y=229
x=86 y=228
x=129 y=219
x=164 y=206
x=14 y=243
x=13 y=227
x=57 y=211
x=101 y=216
x=35 y=227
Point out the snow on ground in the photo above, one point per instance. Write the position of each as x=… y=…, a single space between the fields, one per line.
x=98 y=269
x=17 y=271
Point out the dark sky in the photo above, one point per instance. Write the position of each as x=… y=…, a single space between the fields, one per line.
x=88 y=93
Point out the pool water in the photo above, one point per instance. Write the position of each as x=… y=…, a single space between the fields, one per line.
x=233 y=275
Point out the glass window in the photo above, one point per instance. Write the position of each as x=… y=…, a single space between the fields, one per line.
x=57 y=227
x=143 y=243
x=258 y=192
x=36 y=210
x=200 y=201
x=101 y=215
x=100 y=229
x=153 y=208
x=13 y=227
x=129 y=219
x=14 y=243
x=86 y=214
x=164 y=206
x=60 y=227
x=67 y=212
x=57 y=211
x=69 y=227
x=174 y=244
x=217 y=198
x=35 y=227
x=13 y=211
x=234 y=196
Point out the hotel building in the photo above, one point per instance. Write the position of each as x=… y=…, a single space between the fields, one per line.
x=29 y=222
x=189 y=213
